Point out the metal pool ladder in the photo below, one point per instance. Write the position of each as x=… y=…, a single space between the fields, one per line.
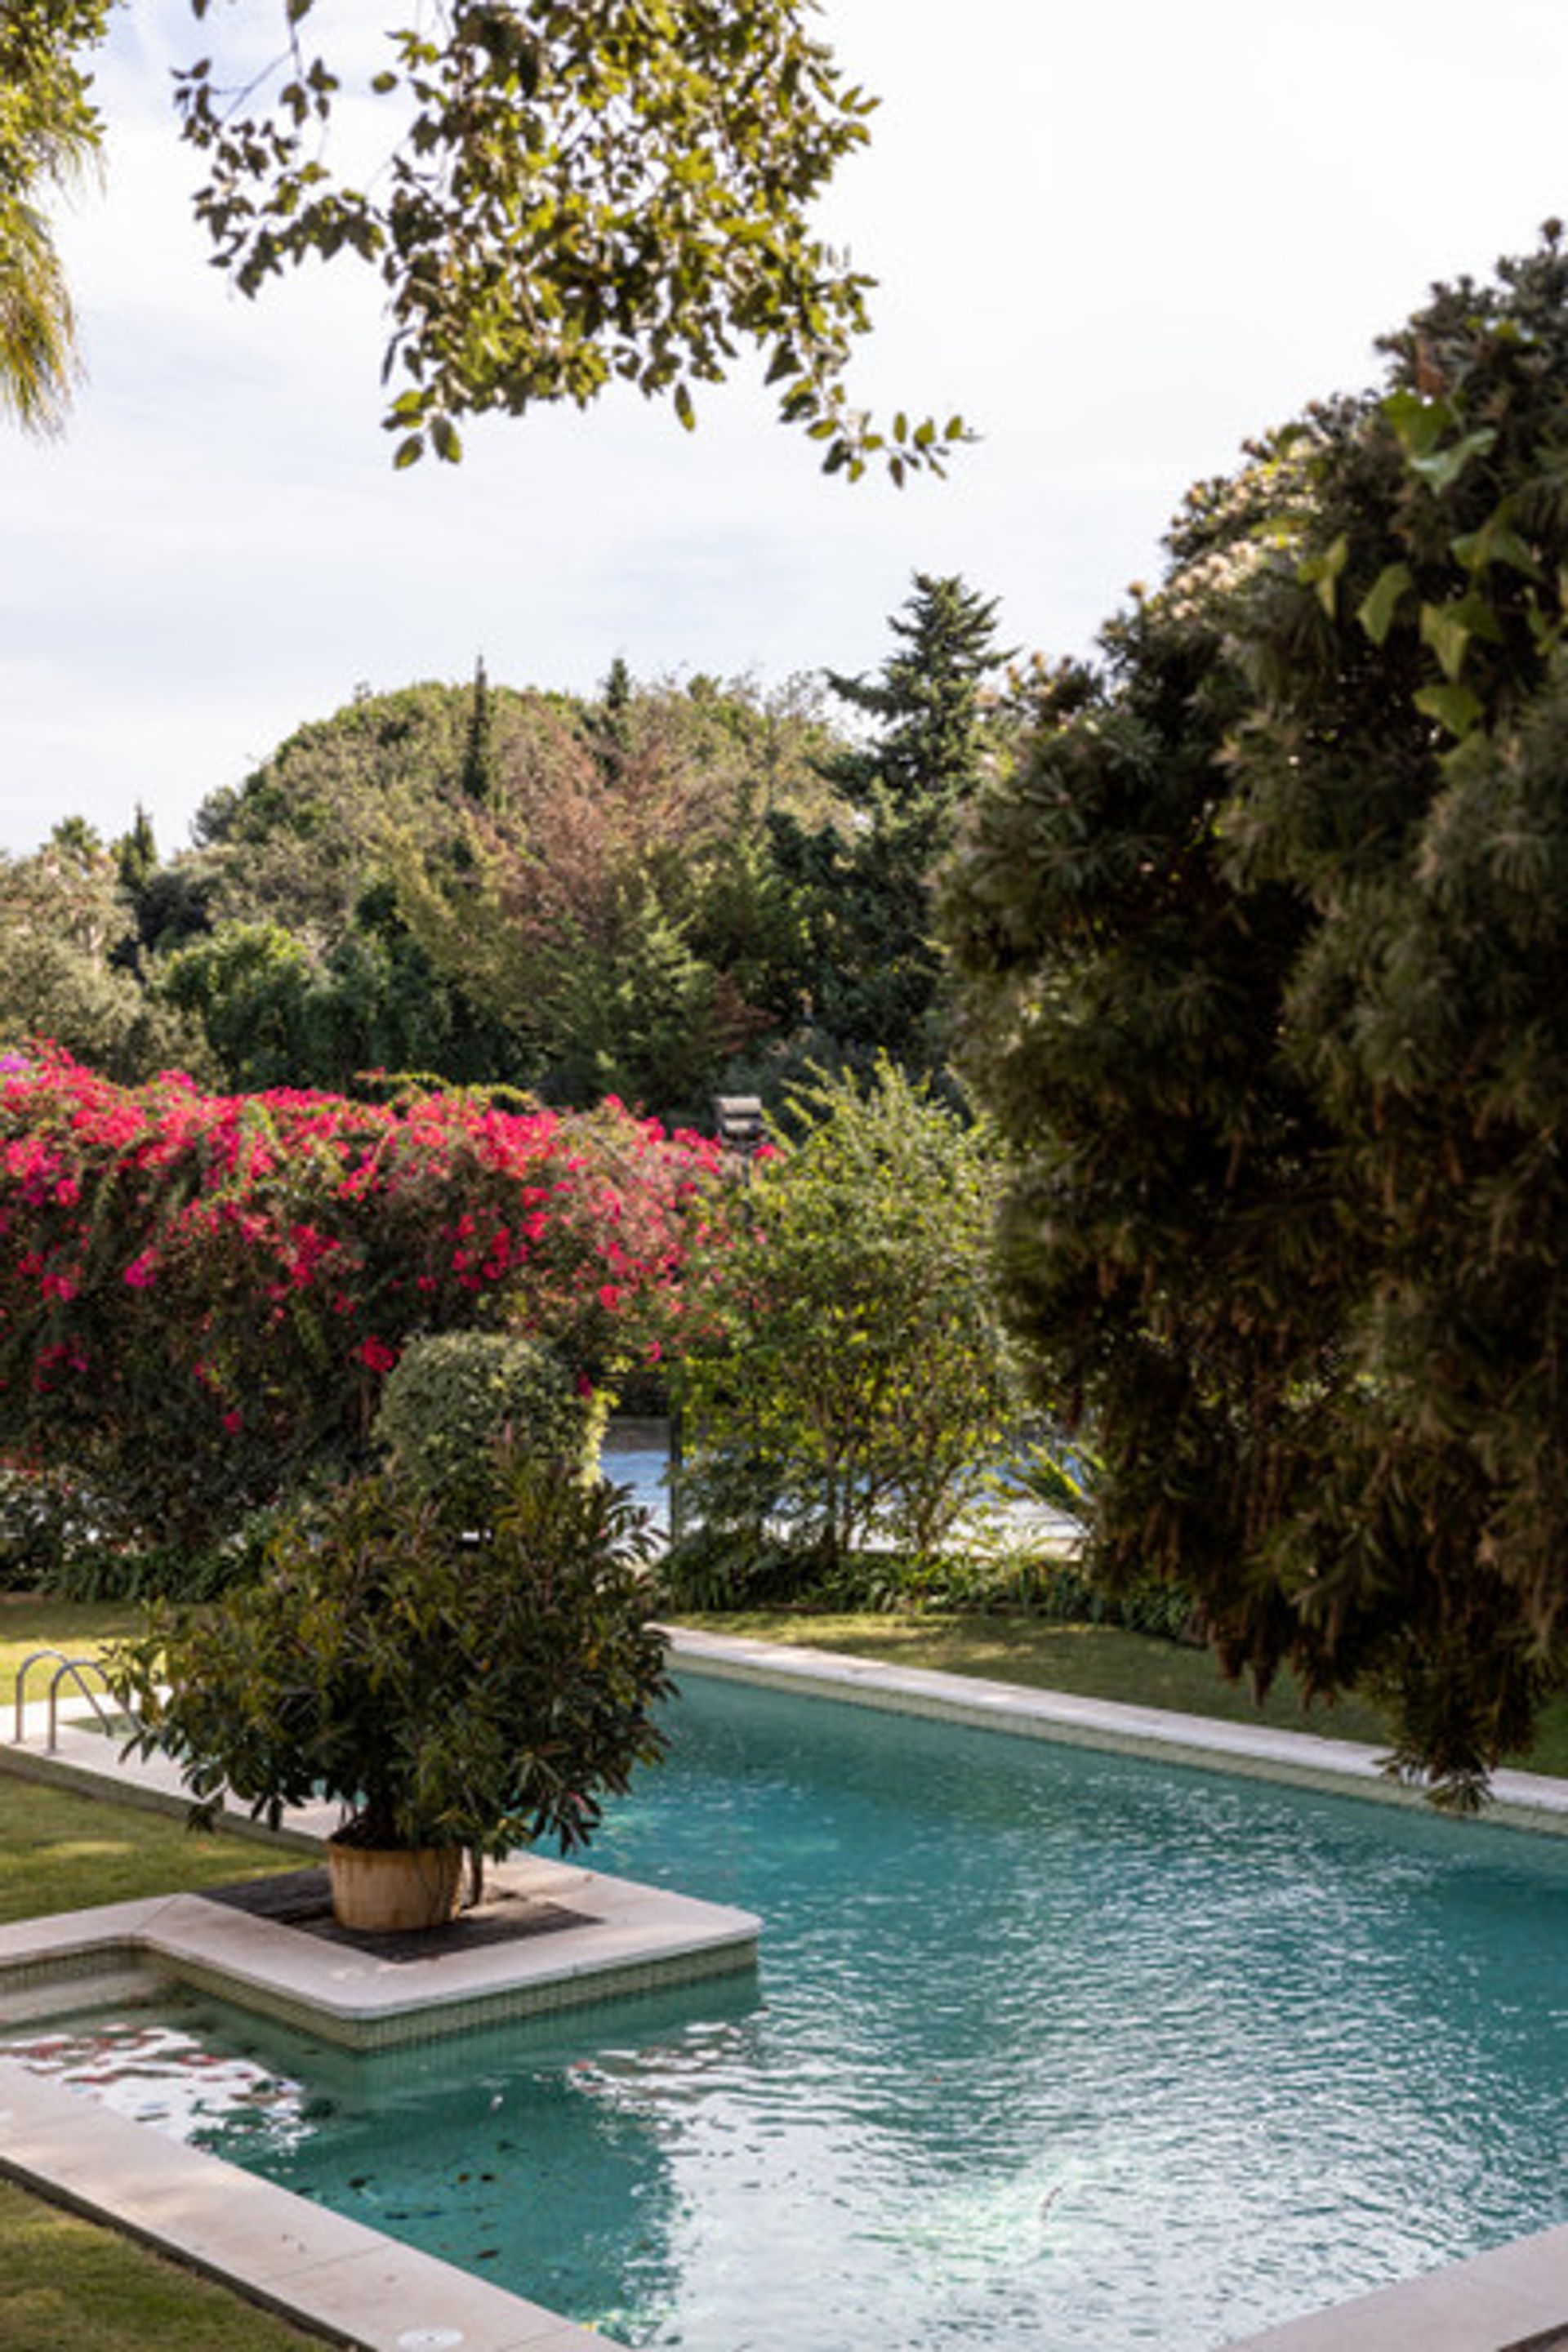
x=77 y=1670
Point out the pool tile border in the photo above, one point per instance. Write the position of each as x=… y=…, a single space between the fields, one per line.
x=1522 y=1801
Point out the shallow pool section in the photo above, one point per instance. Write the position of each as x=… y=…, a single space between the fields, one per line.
x=1050 y=2049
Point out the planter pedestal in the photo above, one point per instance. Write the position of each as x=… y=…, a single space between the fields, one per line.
x=388 y=1891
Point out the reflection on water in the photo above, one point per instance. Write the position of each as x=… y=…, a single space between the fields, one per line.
x=165 y=2074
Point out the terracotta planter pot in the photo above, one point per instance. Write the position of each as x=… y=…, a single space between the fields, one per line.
x=387 y=1891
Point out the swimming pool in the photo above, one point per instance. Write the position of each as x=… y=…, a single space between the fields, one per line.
x=1050 y=2048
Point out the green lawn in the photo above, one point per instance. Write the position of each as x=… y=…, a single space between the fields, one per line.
x=70 y=2286
x=77 y=1627
x=1091 y=1660
x=61 y=1851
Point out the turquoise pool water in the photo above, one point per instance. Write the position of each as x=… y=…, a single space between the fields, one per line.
x=1049 y=2049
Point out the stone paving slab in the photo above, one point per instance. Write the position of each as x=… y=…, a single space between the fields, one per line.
x=621 y=1938
x=1513 y=2300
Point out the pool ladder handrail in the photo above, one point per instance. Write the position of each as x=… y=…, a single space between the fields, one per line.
x=64 y=1665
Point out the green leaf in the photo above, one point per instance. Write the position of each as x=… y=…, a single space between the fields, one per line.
x=1377 y=608
x=409 y=452
x=1418 y=424
x=1495 y=542
x=444 y=437
x=1454 y=707
x=684 y=409
x=1322 y=572
x=1442 y=467
x=1446 y=629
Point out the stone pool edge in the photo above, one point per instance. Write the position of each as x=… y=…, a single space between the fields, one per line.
x=1520 y=1801
x=619 y=1939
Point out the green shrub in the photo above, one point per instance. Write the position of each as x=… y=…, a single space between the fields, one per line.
x=710 y=1571
x=44 y=1522
x=851 y=1382
x=97 y=1566
x=457 y=1403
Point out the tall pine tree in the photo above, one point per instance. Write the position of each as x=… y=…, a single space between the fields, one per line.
x=866 y=887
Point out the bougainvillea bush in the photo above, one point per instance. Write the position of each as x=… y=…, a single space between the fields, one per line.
x=200 y=1296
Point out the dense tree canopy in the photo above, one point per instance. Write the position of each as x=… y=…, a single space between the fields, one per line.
x=568 y=894
x=1264 y=957
x=561 y=197
x=662 y=891
x=66 y=928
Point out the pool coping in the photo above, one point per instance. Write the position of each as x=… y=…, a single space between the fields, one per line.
x=620 y=1939
x=1536 y=1802
x=355 y=2287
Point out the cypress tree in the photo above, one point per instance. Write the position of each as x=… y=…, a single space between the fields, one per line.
x=480 y=780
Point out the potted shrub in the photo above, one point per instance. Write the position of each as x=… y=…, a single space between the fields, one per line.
x=459 y=1688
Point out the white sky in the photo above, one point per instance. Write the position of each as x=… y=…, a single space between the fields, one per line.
x=1118 y=238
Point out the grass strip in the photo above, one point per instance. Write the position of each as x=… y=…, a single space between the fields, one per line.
x=31 y=1621
x=72 y=2286
x=1090 y=1661
x=1097 y=1662
x=61 y=1850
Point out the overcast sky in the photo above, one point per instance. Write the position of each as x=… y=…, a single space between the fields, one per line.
x=1118 y=238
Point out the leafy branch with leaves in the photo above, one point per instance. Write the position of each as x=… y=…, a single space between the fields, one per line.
x=566 y=197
